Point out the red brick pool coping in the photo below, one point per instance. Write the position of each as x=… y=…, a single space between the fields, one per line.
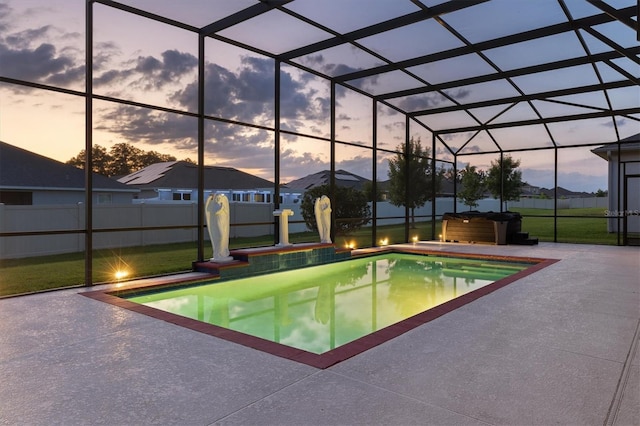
x=340 y=353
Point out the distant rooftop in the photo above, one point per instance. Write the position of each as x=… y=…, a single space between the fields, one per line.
x=22 y=169
x=182 y=174
x=343 y=178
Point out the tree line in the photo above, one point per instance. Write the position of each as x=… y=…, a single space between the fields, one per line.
x=122 y=159
x=503 y=177
x=416 y=188
x=413 y=180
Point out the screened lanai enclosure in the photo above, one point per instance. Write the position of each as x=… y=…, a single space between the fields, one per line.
x=300 y=93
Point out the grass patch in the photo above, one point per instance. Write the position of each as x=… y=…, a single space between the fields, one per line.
x=591 y=229
x=65 y=270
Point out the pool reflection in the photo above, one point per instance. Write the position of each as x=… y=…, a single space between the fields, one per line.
x=322 y=307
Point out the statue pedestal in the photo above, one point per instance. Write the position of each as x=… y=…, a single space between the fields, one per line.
x=284 y=226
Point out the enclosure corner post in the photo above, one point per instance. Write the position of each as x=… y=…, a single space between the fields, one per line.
x=88 y=146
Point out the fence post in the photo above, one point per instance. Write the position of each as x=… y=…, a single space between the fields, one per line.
x=80 y=222
x=142 y=210
x=2 y=229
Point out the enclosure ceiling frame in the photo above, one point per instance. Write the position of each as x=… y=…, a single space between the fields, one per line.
x=609 y=14
x=390 y=24
x=533 y=96
x=517 y=72
x=507 y=40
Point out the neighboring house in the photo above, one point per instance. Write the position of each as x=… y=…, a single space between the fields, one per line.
x=624 y=181
x=27 y=178
x=561 y=193
x=530 y=191
x=177 y=181
x=343 y=178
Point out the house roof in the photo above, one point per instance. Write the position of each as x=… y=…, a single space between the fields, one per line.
x=563 y=193
x=182 y=174
x=632 y=143
x=21 y=169
x=343 y=178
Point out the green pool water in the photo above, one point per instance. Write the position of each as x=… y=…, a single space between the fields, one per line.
x=323 y=307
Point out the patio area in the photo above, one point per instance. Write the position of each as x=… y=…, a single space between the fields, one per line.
x=559 y=346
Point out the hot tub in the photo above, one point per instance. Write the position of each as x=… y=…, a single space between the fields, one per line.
x=481 y=227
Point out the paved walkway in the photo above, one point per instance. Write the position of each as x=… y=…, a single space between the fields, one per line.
x=559 y=346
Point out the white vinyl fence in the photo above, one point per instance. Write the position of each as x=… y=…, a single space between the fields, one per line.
x=563 y=203
x=57 y=218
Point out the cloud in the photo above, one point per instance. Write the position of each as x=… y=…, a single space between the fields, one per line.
x=157 y=73
x=145 y=72
x=419 y=102
x=41 y=54
x=227 y=144
x=224 y=96
x=358 y=165
x=395 y=126
x=472 y=148
x=148 y=126
x=5 y=11
x=295 y=164
x=248 y=94
x=68 y=77
x=24 y=39
x=102 y=54
x=39 y=64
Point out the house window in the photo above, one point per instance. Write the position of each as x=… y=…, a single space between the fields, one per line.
x=16 y=198
x=181 y=196
x=236 y=197
x=259 y=198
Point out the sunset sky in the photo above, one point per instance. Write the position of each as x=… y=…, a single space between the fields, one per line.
x=141 y=60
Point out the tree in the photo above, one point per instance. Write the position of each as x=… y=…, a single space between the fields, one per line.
x=473 y=186
x=414 y=160
x=100 y=160
x=368 y=191
x=122 y=159
x=126 y=159
x=511 y=184
x=601 y=193
x=348 y=204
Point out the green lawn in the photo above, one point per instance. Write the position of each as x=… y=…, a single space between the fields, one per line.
x=50 y=272
x=587 y=230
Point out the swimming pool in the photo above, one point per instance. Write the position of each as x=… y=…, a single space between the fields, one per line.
x=329 y=312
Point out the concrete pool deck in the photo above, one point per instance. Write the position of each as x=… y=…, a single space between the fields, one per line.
x=559 y=346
